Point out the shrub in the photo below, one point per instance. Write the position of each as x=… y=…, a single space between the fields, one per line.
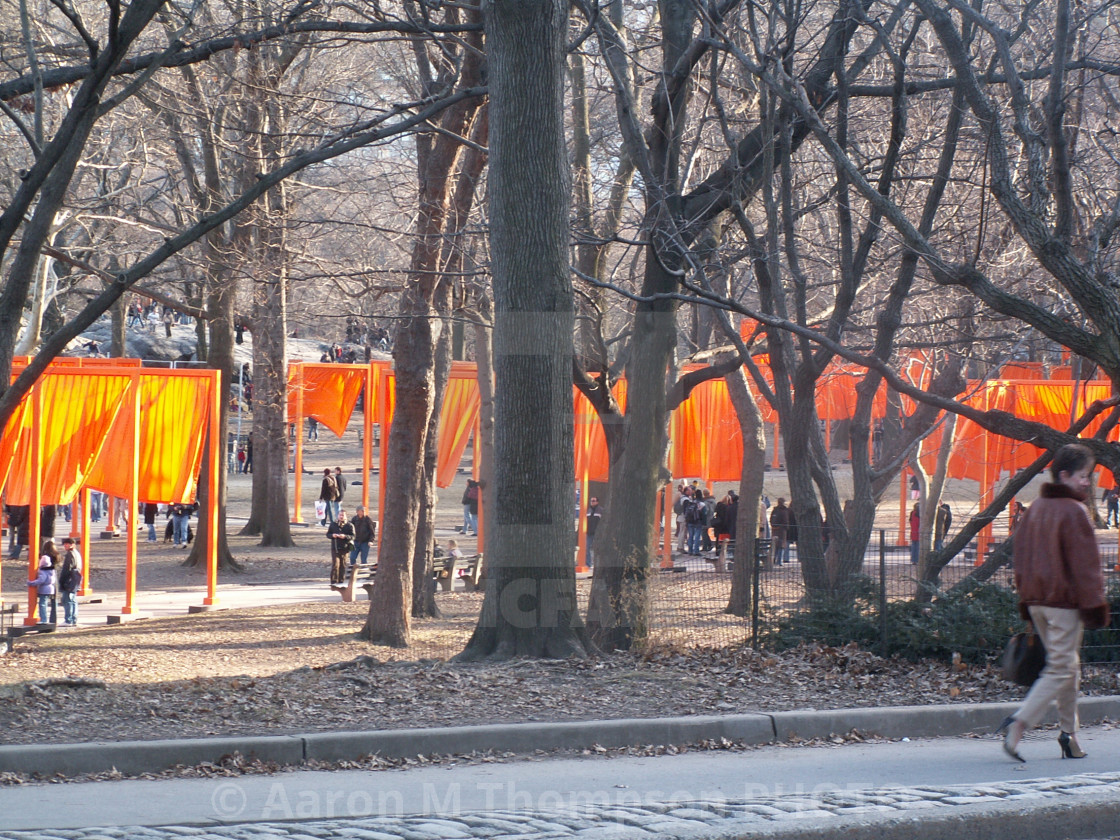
x=975 y=623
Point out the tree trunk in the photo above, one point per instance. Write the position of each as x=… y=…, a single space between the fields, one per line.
x=414 y=350
x=390 y=608
x=750 y=490
x=484 y=442
x=269 y=513
x=221 y=358
x=530 y=607
x=618 y=608
x=424 y=603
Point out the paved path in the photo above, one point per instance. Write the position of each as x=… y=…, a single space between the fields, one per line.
x=852 y=790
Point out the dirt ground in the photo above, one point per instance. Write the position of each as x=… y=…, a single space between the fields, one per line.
x=277 y=669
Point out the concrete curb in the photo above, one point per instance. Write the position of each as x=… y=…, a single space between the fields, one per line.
x=134 y=757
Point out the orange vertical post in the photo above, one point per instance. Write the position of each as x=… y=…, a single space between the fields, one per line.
x=34 y=511
x=85 y=589
x=383 y=453
x=110 y=528
x=216 y=450
x=667 y=529
x=129 y=607
x=776 y=463
x=367 y=435
x=297 y=501
x=581 y=526
x=984 y=538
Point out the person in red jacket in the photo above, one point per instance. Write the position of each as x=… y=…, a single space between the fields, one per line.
x=1061 y=590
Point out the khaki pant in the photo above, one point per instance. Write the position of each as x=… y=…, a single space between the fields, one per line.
x=1061 y=631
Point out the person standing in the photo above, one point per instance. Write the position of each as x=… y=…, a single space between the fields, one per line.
x=181 y=523
x=363 y=535
x=470 y=507
x=694 y=513
x=312 y=428
x=249 y=453
x=780 y=520
x=70 y=581
x=594 y=517
x=943 y=521
x=1017 y=511
x=340 y=482
x=96 y=505
x=341 y=534
x=328 y=494
x=469 y=502
x=45 y=583
x=915 y=531
x=150 y=511
x=709 y=505
x=1112 y=508
x=684 y=495
x=1058 y=575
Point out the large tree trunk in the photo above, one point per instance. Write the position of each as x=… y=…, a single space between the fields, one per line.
x=414 y=357
x=530 y=605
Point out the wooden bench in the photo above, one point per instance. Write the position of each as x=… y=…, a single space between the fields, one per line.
x=16 y=632
x=346 y=590
x=466 y=569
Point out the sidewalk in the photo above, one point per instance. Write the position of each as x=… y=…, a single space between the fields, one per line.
x=951 y=787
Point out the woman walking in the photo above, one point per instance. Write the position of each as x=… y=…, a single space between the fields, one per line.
x=1061 y=591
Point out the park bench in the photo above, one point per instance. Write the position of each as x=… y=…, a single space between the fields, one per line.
x=346 y=590
x=15 y=632
x=466 y=569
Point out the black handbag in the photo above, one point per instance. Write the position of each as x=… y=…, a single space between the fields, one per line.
x=1023 y=658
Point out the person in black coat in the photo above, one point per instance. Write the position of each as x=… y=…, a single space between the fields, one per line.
x=341 y=534
x=150 y=511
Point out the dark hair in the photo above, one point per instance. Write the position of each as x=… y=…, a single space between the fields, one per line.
x=1071 y=458
x=50 y=551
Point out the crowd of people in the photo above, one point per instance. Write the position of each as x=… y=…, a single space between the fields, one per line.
x=151 y=315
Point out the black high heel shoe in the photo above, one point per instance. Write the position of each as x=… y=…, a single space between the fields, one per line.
x=1070 y=747
x=1009 y=747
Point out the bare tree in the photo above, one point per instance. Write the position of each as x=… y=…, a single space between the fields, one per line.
x=529 y=607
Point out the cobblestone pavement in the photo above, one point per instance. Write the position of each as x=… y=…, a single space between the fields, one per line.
x=602 y=819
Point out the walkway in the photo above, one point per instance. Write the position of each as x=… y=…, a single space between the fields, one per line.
x=954 y=787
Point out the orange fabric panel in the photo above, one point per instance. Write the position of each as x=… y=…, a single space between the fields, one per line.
x=591 y=457
x=330 y=392
x=174 y=413
x=458 y=415
x=706 y=439
x=1021 y=370
x=10 y=441
x=78 y=411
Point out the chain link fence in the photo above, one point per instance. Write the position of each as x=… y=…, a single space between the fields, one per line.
x=886 y=607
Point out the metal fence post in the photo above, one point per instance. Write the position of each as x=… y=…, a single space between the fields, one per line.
x=761 y=549
x=883 y=592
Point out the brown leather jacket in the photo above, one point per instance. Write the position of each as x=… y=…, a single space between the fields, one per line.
x=1057 y=561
